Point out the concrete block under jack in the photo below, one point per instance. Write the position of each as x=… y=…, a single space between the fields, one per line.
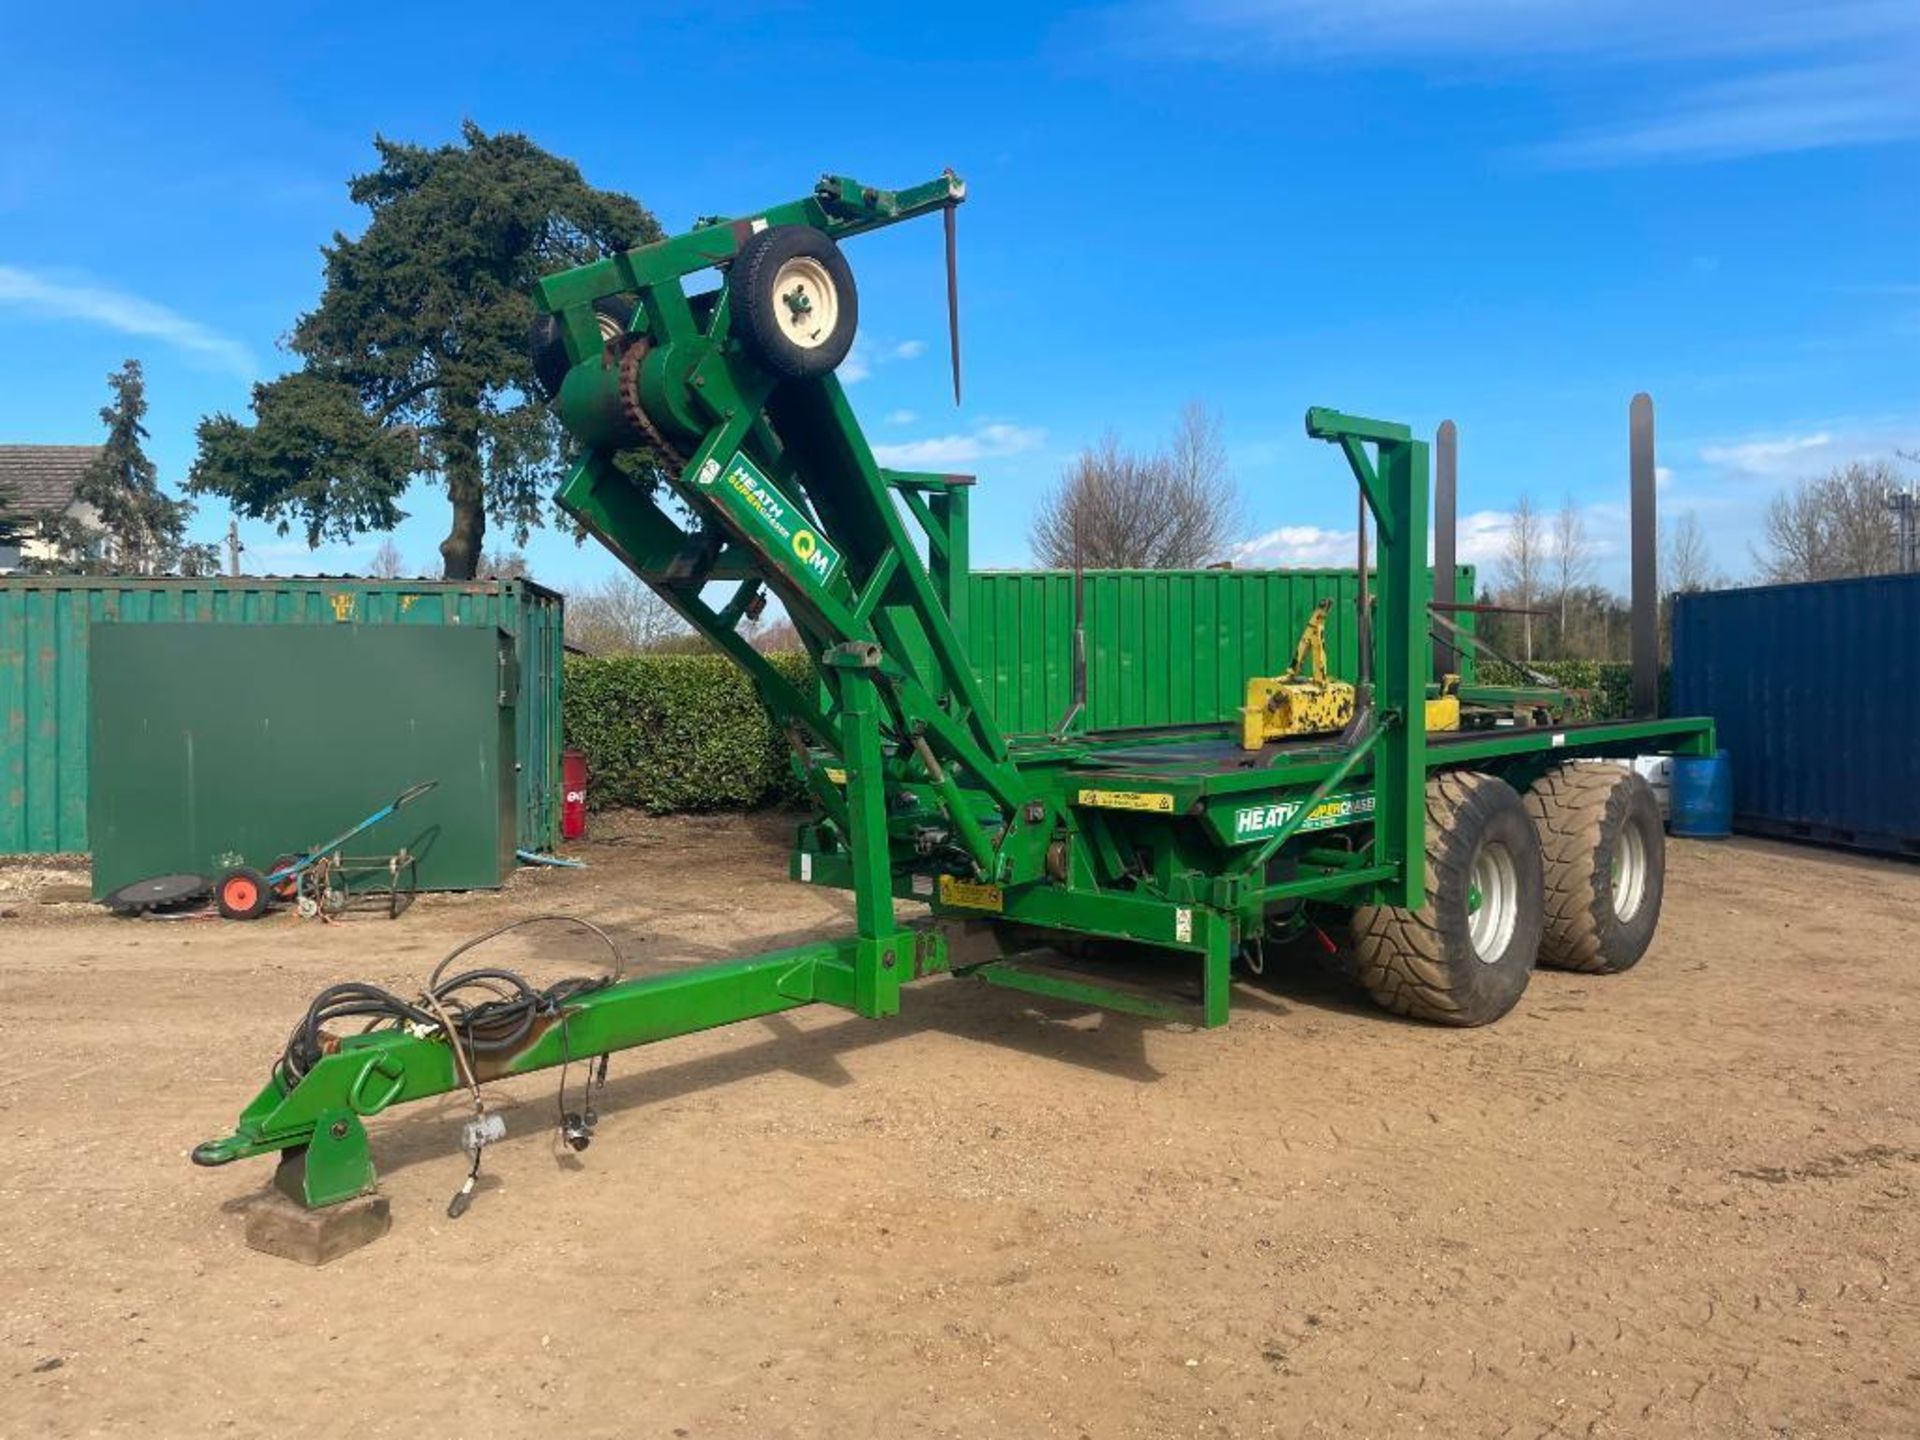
x=284 y=1227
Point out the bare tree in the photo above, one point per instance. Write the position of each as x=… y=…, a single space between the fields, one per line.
x=1830 y=528
x=387 y=563
x=1170 y=510
x=1521 y=566
x=1198 y=454
x=1572 y=564
x=1604 y=619
x=1686 y=565
x=1904 y=502
x=1686 y=559
x=503 y=565
x=621 y=616
x=778 y=637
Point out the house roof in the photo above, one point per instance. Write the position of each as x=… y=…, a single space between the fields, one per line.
x=40 y=479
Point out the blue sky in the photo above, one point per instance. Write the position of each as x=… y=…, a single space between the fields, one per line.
x=1511 y=212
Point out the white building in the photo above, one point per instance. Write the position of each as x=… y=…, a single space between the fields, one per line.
x=37 y=483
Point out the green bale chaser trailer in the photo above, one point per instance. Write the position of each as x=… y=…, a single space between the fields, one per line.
x=1456 y=860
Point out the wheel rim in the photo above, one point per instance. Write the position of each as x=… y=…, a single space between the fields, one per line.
x=1629 y=873
x=807 y=302
x=241 y=894
x=1493 y=902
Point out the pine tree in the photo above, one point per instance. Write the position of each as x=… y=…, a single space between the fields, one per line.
x=415 y=364
x=134 y=527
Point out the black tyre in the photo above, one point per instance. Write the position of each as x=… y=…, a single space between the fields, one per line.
x=794 y=301
x=242 y=893
x=1464 y=957
x=1606 y=862
x=549 y=349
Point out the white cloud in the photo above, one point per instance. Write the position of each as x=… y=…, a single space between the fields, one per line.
x=1289 y=545
x=866 y=357
x=77 y=298
x=1526 y=30
x=1785 y=458
x=1785 y=112
x=857 y=366
x=1766 y=457
x=1480 y=541
x=1481 y=537
x=1662 y=477
x=986 y=442
x=1774 y=76
x=902 y=417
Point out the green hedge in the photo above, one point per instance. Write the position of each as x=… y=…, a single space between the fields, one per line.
x=1607 y=684
x=677 y=732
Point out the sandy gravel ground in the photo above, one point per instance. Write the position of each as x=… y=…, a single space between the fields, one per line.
x=1677 y=1202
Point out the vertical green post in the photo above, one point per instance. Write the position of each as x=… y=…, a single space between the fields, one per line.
x=876 y=968
x=950 y=509
x=1394 y=481
x=1217 y=979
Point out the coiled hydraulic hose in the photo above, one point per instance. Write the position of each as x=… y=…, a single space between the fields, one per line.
x=481 y=1011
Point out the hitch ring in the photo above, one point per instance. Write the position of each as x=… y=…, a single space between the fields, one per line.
x=376 y=1065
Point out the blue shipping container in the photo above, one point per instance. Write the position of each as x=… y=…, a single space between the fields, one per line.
x=1815 y=690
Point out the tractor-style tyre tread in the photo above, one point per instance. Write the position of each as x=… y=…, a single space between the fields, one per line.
x=1420 y=963
x=1578 y=810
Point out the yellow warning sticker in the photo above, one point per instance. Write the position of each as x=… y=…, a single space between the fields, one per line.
x=969 y=896
x=1128 y=800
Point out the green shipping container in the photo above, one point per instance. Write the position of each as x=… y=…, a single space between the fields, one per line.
x=45 y=632
x=1164 y=647
x=213 y=746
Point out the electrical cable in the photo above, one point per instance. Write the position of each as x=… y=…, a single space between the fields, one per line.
x=501 y=1021
x=484 y=1011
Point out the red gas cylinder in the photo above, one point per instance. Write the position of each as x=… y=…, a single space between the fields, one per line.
x=573 y=795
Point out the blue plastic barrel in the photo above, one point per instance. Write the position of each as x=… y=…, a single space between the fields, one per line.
x=1702 y=796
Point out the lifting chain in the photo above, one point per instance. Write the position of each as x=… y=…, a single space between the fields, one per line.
x=631 y=360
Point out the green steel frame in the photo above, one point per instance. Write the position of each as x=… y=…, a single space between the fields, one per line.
x=1172 y=839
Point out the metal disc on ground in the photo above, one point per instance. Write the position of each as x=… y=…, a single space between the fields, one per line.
x=157 y=892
